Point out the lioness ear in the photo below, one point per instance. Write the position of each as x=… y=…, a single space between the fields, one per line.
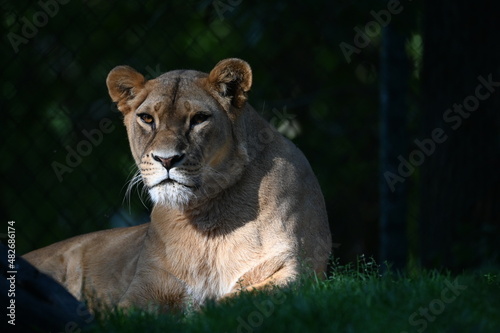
x=232 y=79
x=124 y=83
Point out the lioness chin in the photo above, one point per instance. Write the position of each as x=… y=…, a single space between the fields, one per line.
x=236 y=205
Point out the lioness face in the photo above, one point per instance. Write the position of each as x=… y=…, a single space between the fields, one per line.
x=184 y=138
x=180 y=128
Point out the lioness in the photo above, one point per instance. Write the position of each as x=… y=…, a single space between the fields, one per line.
x=236 y=205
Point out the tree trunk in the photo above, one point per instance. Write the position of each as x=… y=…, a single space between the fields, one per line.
x=394 y=75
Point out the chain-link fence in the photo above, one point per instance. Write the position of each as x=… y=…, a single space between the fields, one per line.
x=65 y=156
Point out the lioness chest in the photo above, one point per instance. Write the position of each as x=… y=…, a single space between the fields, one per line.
x=205 y=264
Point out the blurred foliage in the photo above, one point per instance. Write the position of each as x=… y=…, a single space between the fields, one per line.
x=54 y=88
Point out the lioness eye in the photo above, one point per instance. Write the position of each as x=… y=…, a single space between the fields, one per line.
x=146 y=118
x=198 y=119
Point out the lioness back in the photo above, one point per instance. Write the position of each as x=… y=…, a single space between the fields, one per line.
x=236 y=205
x=111 y=253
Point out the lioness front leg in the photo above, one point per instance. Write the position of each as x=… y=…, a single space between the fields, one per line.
x=155 y=290
x=270 y=274
x=280 y=278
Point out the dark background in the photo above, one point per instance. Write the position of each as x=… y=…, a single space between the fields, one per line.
x=352 y=83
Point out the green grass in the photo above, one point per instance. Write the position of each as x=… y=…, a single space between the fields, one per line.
x=353 y=299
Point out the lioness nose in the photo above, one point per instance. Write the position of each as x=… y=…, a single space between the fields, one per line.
x=168 y=162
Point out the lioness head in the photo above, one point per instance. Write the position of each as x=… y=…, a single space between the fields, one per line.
x=183 y=129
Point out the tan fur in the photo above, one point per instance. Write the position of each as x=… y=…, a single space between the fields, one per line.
x=236 y=204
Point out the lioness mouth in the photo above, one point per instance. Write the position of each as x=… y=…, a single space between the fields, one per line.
x=169 y=181
x=166 y=181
